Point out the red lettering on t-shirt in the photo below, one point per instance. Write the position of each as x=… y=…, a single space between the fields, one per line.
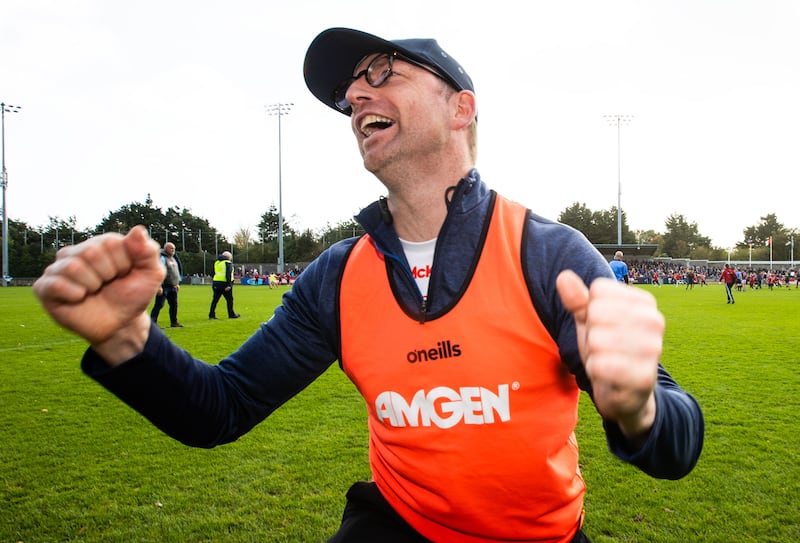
x=420 y=273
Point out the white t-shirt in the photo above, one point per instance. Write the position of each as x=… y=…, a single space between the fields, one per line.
x=420 y=257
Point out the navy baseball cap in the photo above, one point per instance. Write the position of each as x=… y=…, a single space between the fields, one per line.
x=334 y=53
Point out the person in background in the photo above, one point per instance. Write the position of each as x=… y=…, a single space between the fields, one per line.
x=222 y=286
x=168 y=291
x=689 y=278
x=619 y=268
x=471 y=385
x=728 y=278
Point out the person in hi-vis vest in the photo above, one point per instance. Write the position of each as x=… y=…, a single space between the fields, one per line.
x=222 y=285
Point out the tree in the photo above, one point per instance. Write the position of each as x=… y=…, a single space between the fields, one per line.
x=760 y=233
x=242 y=239
x=579 y=217
x=682 y=238
x=188 y=232
x=648 y=236
x=268 y=236
x=605 y=226
x=768 y=229
x=339 y=231
x=129 y=215
x=31 y=249
x=268 y=226
x=302 y=248
x=193 y=236
x=597 y=226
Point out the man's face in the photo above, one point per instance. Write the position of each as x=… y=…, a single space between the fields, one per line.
x=402 y=118
x=169 y=248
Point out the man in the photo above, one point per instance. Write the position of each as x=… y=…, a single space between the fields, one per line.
x=728 y=278
x=168 y=291
x=472 y=386
x=222 y=286
x=689 y=278
x=619 y=268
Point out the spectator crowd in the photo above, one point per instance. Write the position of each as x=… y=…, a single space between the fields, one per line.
x=657 y=273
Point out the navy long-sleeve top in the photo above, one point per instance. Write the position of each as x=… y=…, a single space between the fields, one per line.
x=205 y=405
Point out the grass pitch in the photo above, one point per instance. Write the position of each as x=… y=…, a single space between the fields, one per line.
x=78 y=465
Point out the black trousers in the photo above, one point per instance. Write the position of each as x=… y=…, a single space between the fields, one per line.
x=219 y=292
x=368 y=518
x=170 y=296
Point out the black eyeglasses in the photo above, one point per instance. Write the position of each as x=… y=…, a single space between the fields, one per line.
x=376 y=73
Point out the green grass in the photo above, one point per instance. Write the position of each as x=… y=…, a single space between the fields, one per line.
x=739 y=362
x=78 y=465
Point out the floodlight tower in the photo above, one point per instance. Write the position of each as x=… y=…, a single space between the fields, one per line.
x=619 y=120
x=279 y=109
x=5 y=108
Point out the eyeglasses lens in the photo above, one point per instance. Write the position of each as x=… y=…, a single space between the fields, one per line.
x=376 y=73
x=379 y=69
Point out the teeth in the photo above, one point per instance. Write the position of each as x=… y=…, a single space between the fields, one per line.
x=368 y=130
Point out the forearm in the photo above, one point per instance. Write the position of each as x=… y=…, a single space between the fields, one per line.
x=673 y=444
x=184 y=397
x=204 y=405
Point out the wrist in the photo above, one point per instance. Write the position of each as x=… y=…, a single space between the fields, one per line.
x=126 y=343
x=636 y=427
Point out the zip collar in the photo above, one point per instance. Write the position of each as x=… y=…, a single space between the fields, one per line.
x=457 y=243
x=377 y=220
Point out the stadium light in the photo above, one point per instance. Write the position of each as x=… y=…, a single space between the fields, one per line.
x=280 y=109
x=5 y=108
x=619 y=120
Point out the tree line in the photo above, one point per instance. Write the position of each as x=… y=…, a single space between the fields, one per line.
x=682 y=238
x=31 y=249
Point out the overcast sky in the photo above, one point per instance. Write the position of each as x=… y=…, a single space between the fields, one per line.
x=167 y=98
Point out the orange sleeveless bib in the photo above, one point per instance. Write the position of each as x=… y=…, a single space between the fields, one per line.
x=471 y=415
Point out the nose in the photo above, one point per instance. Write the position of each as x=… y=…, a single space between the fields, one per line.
x=359 y=90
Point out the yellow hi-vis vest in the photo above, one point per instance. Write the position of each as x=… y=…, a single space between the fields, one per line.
x=220 y=271
x=471 y=415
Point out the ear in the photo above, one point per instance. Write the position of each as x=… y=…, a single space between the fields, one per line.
x=466 y=108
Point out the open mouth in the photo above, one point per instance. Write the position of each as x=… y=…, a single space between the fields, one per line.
x=374 y=123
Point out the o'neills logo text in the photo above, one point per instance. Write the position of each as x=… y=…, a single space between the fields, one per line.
x=444 y=349
x=444 y=407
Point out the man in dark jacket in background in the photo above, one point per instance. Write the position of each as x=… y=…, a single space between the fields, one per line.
x=168 y=291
